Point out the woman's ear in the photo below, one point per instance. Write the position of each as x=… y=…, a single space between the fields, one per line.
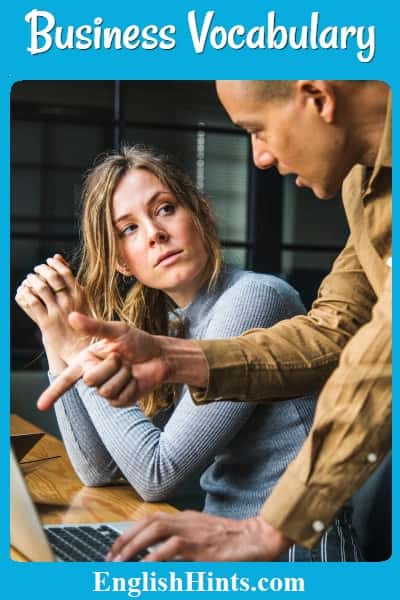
x=123 y=268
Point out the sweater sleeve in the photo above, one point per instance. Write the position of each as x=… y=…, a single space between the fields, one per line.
x=156 y=462
x=92 y=462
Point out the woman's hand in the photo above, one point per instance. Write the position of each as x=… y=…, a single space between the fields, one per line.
x=48 y=296
x=57 y=273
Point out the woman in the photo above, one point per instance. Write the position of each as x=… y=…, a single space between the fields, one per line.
x=144 y=219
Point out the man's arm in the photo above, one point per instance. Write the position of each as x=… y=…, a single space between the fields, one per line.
x=350 y=436
x=295 y=356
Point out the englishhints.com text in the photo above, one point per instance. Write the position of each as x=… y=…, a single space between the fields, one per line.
x=192 y=581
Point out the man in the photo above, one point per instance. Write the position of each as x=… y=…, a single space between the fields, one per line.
x=327 y=133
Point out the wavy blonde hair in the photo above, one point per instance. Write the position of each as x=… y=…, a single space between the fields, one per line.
x=109 y=295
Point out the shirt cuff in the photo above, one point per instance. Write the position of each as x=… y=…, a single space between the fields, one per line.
x=302 y=513
x=228 y=372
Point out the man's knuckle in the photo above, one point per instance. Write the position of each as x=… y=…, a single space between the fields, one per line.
x=120 y=401
x=128 y=551
x=68 y=379
x=88 y=379
x=113 y=361
x=106 y=391
x=159 y=514
x=177 y=541
x=125 y=400
x=160 y=528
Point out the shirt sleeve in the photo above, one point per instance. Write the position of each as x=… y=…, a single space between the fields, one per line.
x=295 y=356
x=350 y=436
x=155 y=461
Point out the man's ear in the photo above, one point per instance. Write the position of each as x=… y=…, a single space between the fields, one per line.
x=319 y=95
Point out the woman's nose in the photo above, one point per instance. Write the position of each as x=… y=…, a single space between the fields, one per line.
x=262 y=158
x=158 y=236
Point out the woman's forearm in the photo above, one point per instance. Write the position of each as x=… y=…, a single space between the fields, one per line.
x=56 y=363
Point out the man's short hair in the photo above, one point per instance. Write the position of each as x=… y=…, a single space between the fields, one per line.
x=270 y=90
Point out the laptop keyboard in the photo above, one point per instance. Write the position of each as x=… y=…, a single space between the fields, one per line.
x=84 y=543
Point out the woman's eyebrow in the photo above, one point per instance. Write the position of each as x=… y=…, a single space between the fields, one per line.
x=149 y=202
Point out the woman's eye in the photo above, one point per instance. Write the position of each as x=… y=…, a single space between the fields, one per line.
x=126 y=230
x=166 y=209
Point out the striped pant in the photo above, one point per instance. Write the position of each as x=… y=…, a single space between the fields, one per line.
x=338 y=544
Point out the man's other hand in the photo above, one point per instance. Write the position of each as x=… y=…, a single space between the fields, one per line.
x=195 y=536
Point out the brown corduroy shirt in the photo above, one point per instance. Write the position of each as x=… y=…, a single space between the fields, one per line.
x=345 y=343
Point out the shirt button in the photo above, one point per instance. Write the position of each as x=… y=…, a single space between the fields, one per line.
x=372 y=457
x=318 y=526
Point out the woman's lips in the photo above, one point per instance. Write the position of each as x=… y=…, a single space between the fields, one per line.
x=169 y=258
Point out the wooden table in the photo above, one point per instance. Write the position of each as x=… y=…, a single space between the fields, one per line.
x=60 y=497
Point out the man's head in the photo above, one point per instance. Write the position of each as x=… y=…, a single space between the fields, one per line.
x=304 y=127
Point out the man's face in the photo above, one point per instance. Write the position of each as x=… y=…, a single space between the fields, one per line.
x=291 y=135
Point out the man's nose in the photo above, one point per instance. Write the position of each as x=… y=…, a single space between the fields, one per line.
x=262 y=158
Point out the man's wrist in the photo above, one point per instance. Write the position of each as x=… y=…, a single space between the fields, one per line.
x=276 y=542
x=184 y=361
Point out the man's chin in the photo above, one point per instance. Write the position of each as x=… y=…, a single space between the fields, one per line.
x=324 y=193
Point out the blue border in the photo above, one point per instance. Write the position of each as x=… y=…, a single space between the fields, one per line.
x=45 y=581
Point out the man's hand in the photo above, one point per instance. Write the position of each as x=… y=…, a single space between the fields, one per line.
x=123 y=383
x=197 y=536
x=147 y=361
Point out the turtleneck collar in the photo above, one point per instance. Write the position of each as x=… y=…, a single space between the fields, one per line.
x=196 y=312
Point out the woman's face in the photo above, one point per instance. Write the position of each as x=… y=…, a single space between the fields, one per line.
x=157 y=240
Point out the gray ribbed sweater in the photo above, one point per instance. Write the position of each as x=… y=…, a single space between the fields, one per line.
x=243 y=448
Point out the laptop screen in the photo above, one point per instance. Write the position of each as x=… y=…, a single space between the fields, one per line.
x=27 y=534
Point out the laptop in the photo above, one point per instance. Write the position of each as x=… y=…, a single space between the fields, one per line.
x=47 y=543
